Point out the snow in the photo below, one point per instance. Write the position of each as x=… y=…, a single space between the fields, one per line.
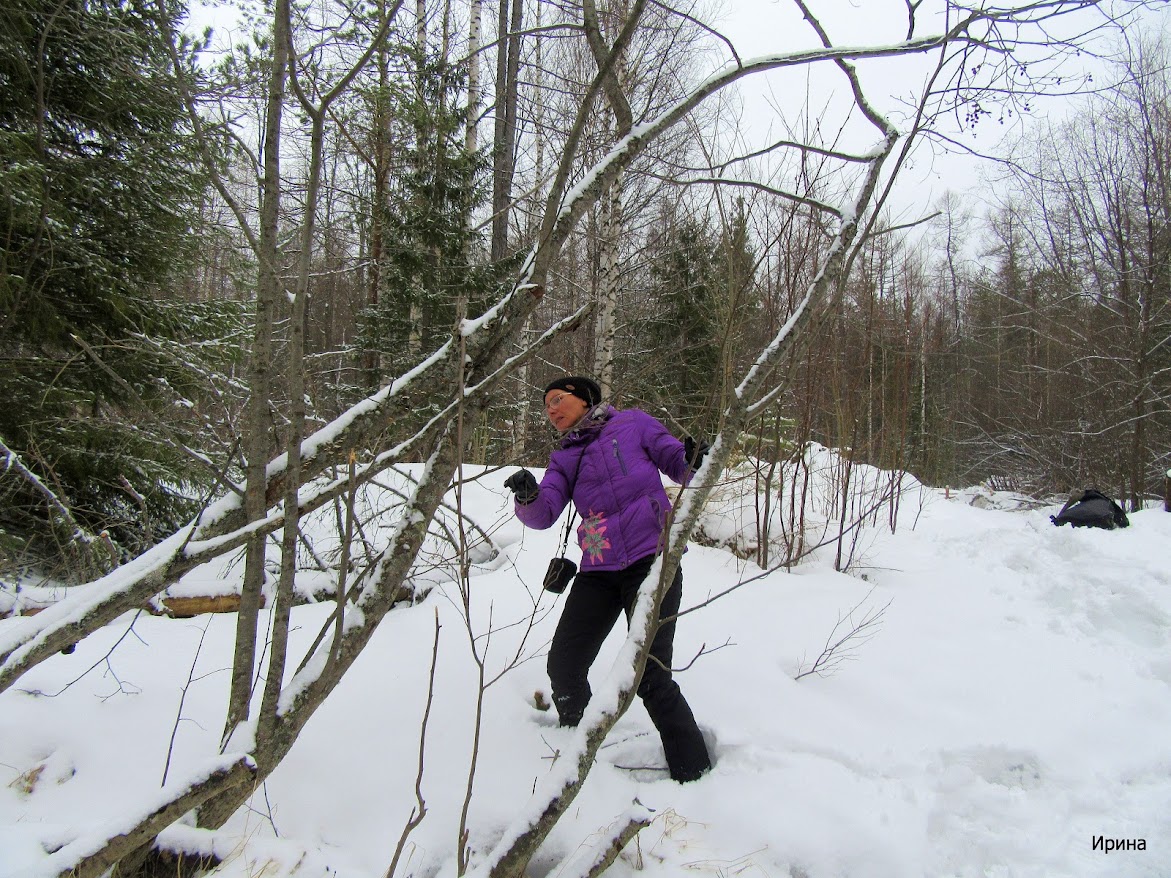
x=1012 y=708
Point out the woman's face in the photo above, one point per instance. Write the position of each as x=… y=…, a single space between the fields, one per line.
x=564 y=409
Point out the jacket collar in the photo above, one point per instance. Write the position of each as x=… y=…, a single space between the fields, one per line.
x=587 y=429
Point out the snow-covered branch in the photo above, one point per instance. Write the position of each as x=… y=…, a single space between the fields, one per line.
x=93 y=854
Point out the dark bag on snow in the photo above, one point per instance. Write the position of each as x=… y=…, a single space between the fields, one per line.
x=1092 y=509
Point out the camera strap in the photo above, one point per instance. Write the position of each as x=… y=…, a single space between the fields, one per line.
x=573 y=515
x=568 y=529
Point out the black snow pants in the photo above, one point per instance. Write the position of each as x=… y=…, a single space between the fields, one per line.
x=592 y=608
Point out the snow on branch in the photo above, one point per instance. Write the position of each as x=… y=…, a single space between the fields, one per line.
x=92 y=854
x=601 y=854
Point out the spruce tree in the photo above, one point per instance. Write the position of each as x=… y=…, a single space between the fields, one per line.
x=684 y=286
x=702 y=290
x=428 y=260
x=96 y=198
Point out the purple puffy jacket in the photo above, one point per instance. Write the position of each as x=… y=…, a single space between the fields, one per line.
x=610 y=465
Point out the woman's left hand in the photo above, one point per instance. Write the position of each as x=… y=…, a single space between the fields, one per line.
x=695 y=452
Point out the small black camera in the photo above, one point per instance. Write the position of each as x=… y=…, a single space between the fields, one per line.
x=560 y=573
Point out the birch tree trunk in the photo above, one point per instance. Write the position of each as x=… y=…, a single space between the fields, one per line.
x=613 y=70
x=604 y=327
x=523 y=383
x=475 y=17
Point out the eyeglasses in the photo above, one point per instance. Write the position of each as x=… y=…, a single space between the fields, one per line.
x=555 y=402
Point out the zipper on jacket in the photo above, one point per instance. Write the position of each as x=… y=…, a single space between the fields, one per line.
x=618 y=456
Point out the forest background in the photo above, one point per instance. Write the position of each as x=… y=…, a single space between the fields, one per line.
x=1019 y=336
x=238 y=281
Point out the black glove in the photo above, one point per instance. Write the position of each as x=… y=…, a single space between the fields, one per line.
x=523 y=485
x=695 y=453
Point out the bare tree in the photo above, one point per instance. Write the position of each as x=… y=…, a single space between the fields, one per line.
x=611 y=235
x=1067 y=335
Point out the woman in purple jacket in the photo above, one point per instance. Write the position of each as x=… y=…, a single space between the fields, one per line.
x=609 y=464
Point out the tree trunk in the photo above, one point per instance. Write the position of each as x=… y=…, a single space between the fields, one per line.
x=257 y=442
x=613 y=72
x=295 y=376
x=504 y=137
x=604 y=329
x=372 y=359
x=520 y=421
x=415 y=313
x=145 y=827
x=476 y=14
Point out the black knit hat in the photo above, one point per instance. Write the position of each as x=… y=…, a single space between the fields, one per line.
x=577 y=385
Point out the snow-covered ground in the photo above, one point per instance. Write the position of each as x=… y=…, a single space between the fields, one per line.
x=1012 y=707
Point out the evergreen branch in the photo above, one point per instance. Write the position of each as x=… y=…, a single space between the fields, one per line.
x=167 y=432
x=60 y=517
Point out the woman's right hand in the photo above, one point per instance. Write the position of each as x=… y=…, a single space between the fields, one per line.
x=523 y=484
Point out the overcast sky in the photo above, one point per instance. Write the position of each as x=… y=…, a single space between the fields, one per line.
x=759 y=27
